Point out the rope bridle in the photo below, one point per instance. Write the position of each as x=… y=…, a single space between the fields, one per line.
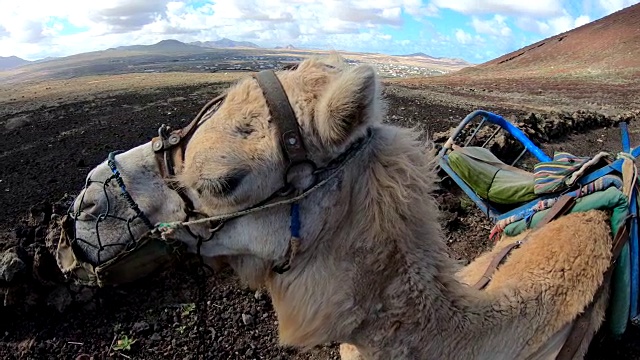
x=170 y=146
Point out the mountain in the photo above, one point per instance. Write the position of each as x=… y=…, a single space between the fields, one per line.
x=453 y=61
x=225 y=43
x=610 y=45
x=164 y=46
x=10 y=62
x=48 y=58
x=421 y=54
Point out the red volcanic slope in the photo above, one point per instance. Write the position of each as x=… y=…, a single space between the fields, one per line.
x=608 y=45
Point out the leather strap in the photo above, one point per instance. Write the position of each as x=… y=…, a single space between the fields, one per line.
x=579 y=330
x=283 y=116
x=559 y=208
x=169 y=149
x=493 y=266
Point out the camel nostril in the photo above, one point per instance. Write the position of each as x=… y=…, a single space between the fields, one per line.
x=88 y=209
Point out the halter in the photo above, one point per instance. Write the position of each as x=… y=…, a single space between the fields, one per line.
x=169 y=148
x=170 y=151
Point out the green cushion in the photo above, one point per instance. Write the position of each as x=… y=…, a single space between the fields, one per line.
x=490 y=178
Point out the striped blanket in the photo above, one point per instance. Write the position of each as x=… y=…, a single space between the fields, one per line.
x=563 y=171
x=600 y=184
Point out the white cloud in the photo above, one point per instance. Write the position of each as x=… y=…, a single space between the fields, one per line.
x=32 y=29
x=37 y=28
x=417 y=9
x=581 y=20
x=536 y=26
x=463 y=37
x=537 y=8
x=611 y=6
x=553 y=26
x=495 y=26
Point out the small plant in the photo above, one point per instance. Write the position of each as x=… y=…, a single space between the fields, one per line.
x=181 y=329
x=124 y=343
x=466 y=204
x=188 y=308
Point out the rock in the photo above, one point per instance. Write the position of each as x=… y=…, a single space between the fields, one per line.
x=140 y=326
x=450 y=220
x=3 y=296
x=44 y=268
x=442 y=136
x=90 y=307
x=247 y=319
x=85 y=295
x=40 y=214
x=11 y=265
x=450 y=203
x=59 y=298
x=75 y=288
x=17 y=122
x=155 y=337
x=53 y=233
x=13 y=295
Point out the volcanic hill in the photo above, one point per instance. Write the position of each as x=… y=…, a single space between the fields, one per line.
x=608 y=47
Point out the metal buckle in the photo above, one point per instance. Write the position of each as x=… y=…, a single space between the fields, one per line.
x=288 y=186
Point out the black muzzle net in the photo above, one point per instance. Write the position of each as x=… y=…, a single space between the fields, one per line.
x=136 y=257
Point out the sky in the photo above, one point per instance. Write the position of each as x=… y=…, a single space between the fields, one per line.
x=474 y=30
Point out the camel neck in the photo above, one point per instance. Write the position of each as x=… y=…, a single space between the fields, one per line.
x=405 y=285
x=380 y=275
x=424 y=308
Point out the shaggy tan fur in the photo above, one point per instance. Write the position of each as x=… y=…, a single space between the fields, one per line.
x=373 y=270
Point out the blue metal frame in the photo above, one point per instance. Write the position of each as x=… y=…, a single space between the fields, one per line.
x=495 y=215
x=498 y=120
x=633 y=240
x=508 y=126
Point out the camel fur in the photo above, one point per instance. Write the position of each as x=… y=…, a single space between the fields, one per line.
x=372 y=270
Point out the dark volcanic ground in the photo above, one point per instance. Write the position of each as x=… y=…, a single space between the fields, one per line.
x=48 y=152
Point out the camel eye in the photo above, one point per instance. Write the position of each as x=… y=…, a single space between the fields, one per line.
x=222 y=186
x=245 y=130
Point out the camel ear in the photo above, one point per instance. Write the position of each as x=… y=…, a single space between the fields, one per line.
x=348 y=104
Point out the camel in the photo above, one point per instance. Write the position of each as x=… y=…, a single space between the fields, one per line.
x=368 y=267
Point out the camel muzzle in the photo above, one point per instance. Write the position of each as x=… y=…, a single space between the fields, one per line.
x=137 y=260
x=138 y=257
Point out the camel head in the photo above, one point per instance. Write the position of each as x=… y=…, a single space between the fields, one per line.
x=254 y=153
x=245 y=153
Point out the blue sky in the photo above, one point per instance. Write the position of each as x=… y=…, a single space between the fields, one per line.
x=475 y=30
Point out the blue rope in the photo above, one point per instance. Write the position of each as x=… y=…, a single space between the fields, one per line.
x=295 y=220
x=123 y=189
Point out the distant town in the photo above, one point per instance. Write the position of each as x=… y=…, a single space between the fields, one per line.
x=210 y=57
x=207 y=63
